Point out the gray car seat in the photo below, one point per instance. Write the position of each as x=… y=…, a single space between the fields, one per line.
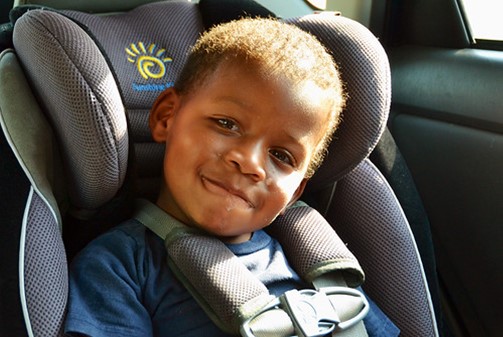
x=74 y=116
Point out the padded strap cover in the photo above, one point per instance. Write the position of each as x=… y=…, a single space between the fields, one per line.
x=210 y=271
x=312 y=246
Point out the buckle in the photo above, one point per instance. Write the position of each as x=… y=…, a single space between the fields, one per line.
x=312 y=313
x=350 y=292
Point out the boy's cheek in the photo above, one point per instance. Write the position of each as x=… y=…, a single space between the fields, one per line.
x=290 y=183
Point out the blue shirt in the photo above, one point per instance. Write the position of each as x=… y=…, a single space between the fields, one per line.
x=120 y=285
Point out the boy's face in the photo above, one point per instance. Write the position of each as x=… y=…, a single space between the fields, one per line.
x=237 y=150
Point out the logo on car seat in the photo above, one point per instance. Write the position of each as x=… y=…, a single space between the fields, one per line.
x=151 y=64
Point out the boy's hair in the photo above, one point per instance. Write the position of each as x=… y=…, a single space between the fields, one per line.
x=282 y=51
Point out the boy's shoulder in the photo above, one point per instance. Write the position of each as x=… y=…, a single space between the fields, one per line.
x=130 y=232
x=128 y=241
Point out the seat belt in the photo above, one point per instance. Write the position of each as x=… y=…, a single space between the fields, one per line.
x=238 y=303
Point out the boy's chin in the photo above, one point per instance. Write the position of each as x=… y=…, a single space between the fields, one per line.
x=228 y=235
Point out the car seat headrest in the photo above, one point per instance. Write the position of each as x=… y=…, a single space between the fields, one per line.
x=147 y=49
x=91 y=71
x=365 y=72
x=150 y=50
x=87 y=99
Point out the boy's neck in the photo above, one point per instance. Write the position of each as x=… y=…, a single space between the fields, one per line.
x=236 y=239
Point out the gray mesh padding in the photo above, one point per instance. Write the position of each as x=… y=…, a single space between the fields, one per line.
x=313 y=247
x=78 y=91
x=225 y=286
x=45 y=271
x=365 y=71
x=367 y=215
x=171 y=26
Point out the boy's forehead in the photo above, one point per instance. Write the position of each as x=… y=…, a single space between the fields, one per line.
x=304 y=102
x=309 y=101
x=310 y=96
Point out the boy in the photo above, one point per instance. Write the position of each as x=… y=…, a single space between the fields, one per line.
x=245 y=126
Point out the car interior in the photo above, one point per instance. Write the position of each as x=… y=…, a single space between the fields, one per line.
x=412 y=182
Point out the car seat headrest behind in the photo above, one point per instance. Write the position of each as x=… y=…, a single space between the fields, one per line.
x=365 y=72
x=88 y=78
x=100 y=60
x=147 y=49
x=220 y=11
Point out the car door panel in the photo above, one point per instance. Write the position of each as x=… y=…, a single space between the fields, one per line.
x=447 y=119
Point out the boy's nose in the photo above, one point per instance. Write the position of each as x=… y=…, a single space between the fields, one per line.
x=248 y=159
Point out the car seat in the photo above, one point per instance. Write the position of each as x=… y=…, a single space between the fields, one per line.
x=74 y=120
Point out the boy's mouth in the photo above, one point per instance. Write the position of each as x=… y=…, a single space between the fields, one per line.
x=226 y=190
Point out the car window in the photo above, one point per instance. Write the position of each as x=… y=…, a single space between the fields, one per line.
x=484 y=19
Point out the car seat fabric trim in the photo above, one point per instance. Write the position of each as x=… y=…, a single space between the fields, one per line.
x=27 y=131
x=22 y=289
x=42 y=260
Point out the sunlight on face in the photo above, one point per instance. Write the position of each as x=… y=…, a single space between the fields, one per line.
x=237 y=150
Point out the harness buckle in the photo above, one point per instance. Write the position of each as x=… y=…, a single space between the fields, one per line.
x=311 y=313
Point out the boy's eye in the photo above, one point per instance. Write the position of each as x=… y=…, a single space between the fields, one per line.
x=283 y=156
x=228 y=124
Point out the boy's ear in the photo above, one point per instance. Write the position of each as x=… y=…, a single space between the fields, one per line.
x=162 y=112
x=298 y=192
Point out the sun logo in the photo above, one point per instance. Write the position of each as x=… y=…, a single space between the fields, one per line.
x=150 y=64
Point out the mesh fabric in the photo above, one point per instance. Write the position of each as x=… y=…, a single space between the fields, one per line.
x=171 y=28
x=313 y=247
x=364 y=69
x=219 y=278
x=386 y=251
x=77 y=89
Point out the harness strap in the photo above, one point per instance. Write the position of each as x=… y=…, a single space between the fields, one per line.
x=239 y=303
